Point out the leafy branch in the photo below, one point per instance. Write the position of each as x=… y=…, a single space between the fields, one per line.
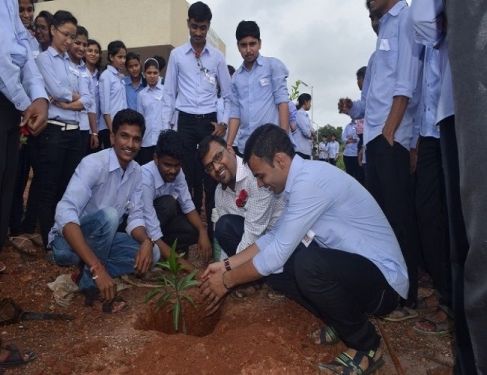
x=173 y=288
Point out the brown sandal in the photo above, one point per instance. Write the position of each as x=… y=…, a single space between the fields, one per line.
x=23 y=245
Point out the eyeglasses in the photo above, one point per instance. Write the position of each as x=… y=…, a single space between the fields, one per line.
x=210 y=167
x=66 y=34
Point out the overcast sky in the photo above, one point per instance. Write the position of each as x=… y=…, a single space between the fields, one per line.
x=322 y=42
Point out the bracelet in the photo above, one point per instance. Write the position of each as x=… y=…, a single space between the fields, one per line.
x=92 y=269
x=223 y=281
x=94 y=134
x=226 y=262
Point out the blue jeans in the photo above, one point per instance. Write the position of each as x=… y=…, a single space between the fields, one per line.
x=114 y=249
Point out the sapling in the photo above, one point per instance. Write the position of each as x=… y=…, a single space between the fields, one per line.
x=174 y=286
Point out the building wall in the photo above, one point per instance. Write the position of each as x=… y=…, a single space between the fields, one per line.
x=138 y=23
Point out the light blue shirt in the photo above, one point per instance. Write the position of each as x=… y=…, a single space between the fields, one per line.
x=84 y=123
x=350 y=132
x=153 y=187
x=112 y=93
x=20 y=80
x=303 y=135
x=62 y=79
x=149 y=104
x=100 y=182
x=425 y=121
x=132 y=92
x=425 y=15
x=191 y=84
x=357 y=111
x=343 y=216
x=95 y=94
x=394 y=72
x=256 y=94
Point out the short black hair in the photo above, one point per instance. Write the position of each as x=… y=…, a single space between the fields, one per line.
x=129 y=117
x=113 y=48
x=204 y=145
x=131 y=56
x=170 y=144
x=361 y=72
x=46 y=15
x=80 y=30
x=200 y=12
x=247 y=28
x=161 y=61
x=63 y=16
x=266 y=141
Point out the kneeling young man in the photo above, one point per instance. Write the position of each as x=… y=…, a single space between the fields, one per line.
x=340 y=257
x=169 y=211
x=105 y=186
x=245 y=210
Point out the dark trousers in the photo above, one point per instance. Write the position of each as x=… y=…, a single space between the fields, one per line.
x=59 y=155
x=145 y=155
x=22 y=175
x=85 y=142
x=389 y=182
x=193 y=129
x=458 y=245
x=174 y=224
x=9 y=149
x=432 y=216
x=104 y=138
x=466 y=28
x=332 y=161
x=351 y=165
x=331 y=284
x=229 y=230
x=30 y=220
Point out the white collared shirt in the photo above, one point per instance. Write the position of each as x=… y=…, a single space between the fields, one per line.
x=261 y=210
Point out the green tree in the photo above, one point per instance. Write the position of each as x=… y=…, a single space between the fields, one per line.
x=295 y=90
x=328 y=130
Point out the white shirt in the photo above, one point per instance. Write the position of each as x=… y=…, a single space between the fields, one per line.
x=261 y=210
x=332 y=149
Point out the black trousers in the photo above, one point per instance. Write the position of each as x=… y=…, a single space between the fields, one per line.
x=229 y=230
x=59 y=155
x=432 y=216
x=389 y=182
x=30 y=219
x=104 y=138
x=22 y=175
x=193 y=129
x=331 y=284
x=174 y=224
x=9 y=149
x=351 y=165
x=145 y=155
x=458 y=245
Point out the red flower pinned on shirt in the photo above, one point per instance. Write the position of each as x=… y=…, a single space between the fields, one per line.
x=241 y=200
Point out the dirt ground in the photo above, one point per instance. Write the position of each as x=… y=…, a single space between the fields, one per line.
x=253 y=336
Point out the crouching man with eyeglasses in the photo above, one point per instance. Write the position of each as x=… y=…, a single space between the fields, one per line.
x=339 y=255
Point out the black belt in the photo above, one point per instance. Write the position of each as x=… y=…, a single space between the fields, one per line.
x=204 y=115
x=65 y=126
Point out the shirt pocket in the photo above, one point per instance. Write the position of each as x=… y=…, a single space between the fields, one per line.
x=389 y=51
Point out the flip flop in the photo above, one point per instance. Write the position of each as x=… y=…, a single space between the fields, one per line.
x=401 y=314
x=16 y=358
x=3 y=267
x=35 y=238
x=431 y=327
x=23 y=245
x=346 y=364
